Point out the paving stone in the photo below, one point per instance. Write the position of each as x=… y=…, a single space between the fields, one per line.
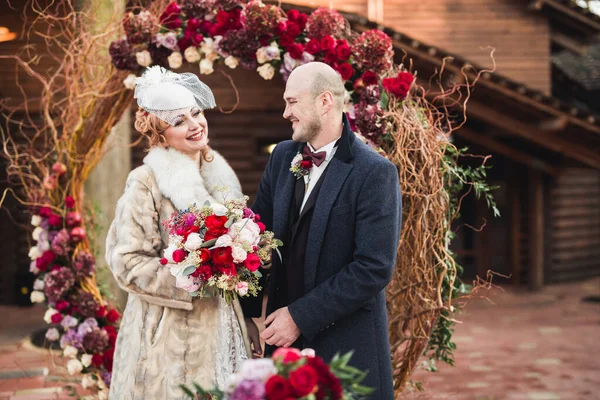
x=542 y=396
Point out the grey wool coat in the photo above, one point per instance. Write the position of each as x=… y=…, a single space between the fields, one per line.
x=167 y=337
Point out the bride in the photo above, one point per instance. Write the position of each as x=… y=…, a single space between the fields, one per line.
x=167 y=337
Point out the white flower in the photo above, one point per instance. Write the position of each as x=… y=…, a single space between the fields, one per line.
x=266 y=71
x=245 y=232
x=208 y=47
x=224 y=241
x=87 y=381
x=238 y=213
x=36 y=233
x=143 y=58
x=308 y=353
x=74 y=366
x=49 y=313
x=86 y=360
x=36 y=220
x=191 y=54
x=168 y=40
x=70 y=352
x=219 y=209
x=268 y=53
x=187 y=283
x=129 y=82
x=43 y=244
x=193 y=242
x=33 y=268
x=37 y=297
x=242 y=288
x=39 y=284
x=260 y=369
x=52 y=334
x=175 y=60
x=206 y=67
x=34 y=253
x=69 y=322
x=231 y=61
x=168 y=253
x=239 y=254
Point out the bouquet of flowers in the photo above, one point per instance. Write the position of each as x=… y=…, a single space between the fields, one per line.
x=219 y=246
x=291 y=374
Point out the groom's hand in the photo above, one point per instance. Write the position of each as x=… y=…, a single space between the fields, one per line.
x=282 y=330
x=253 y=337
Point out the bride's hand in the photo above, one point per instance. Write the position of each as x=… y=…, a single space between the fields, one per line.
x=253 y=337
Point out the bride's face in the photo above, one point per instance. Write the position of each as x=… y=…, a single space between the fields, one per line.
x=189 y=132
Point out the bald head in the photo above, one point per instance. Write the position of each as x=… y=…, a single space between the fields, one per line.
x=319 y=77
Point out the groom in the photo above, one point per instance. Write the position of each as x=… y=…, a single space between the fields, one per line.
x=340 y=224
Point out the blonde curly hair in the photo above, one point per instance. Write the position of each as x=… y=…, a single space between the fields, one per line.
x=152 y=128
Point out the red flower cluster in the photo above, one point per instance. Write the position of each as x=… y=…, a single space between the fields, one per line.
x=399 y=86
x=325 y=21
x=373 y=51
x=140 y=28
x=336 y=53
x=171 y=17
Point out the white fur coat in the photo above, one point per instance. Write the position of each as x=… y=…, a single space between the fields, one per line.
x=167 y=337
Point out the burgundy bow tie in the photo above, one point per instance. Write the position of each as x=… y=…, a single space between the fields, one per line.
x=316 y=158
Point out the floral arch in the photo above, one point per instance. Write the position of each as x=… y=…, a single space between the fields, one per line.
x=83 y=99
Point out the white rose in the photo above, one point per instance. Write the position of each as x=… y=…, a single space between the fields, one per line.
x=37 y=297
x=224 y=241
x=34 y=253
x=260 y=369
x=43 y=244
x=266 y=71
x=219 y=209
x=129 y=82
x=143 y=58
x=86 y=360
x=70 y=352
x=239 y=254
x=49 y=313
x=52 y=334
x=207 y=46
x=36 y=220
x=175 y=60
x=308 y=353
x=242 y=288
x=39 y=284
x=36 y=233
x=187 y=283
x=231 y=62
x=74 y=366
x=33 y=268
x=212 y=56
x=88 y=382
x=206 y=67
x=261 y=55
x=193 y=242
x=168 y=253
x=191 y=54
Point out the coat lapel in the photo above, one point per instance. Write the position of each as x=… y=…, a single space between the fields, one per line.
x=283 y=197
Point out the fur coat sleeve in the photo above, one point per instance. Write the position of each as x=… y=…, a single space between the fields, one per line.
x=134 y=244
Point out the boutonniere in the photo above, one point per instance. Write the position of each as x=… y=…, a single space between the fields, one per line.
x=300 y=167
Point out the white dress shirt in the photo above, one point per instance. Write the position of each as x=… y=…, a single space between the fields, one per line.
x=315 y=172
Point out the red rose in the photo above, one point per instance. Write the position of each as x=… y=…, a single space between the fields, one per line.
x=343 y=51
x=172 y=8
x=56 y=318
x=261 y=226
x=108 y=357
x=184 y=43
x=252 y=262
x=203 y=272
x=206 y=26
x=55 y=220
x=293 y=29
x=113 y=316
x=278 y=388
x=45 y=260
x=179 y=255
x=45 y=212
x=306 y=164
x=214 y=222
x=223 y=17
x=293 y=15
x=313 y=46
x=406 y=77
x=69 y=202
x=280 y=28
x=222 y=256
x=73 y=219
x=112 y=339
x=61 y=305
x=210 y=235
x=295 y=50
x=77 y=234
x=188 y=231
x=174 y=23
x=327 y=43
x=303 y=380
x=345 y=71
x=97 y=360
x=257 y=217
x=101 y=312
x=163 y=261
x=285 y=40
x=204 y=255
x=193 y=24
x=301 y=21
x=111 y=330
x=197 y=39
x=287 y=355
x=331 y=57
x=227 y=269
x=369 y=78
x=396 y=87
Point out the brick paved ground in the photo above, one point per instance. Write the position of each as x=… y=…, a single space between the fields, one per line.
x=517 y=345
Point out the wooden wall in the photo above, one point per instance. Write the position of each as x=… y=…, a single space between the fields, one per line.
x=575 y=225
x=466 y=28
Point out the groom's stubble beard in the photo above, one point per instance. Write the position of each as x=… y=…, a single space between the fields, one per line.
x=309 y=132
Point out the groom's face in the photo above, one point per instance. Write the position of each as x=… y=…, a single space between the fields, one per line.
x=301 y=110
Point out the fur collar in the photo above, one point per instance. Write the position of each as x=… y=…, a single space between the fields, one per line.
x=179 y=178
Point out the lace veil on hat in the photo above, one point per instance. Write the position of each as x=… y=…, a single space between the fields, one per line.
x=167 y=94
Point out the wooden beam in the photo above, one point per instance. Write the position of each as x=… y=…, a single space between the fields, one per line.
x=536 y=230
x=507 y=151
x=544 y=139
x=568 y=43
x=515 y=225
x=557 y=5
x=553 y=124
